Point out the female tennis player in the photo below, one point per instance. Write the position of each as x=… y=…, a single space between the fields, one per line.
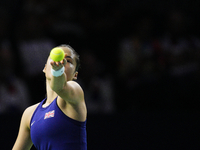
x=59 y=121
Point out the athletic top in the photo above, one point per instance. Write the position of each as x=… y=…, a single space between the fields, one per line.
x=51 y=129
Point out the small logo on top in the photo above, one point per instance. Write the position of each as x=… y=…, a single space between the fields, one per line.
x=32 y=123
x=49 y=114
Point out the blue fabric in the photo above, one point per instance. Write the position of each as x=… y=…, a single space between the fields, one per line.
x=51 y=129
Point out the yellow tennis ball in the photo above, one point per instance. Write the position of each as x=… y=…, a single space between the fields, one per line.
x=57 y=54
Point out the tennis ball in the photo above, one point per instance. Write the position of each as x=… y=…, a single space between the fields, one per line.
x=57 y=54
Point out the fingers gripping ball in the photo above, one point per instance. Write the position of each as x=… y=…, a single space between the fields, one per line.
x=57 y=54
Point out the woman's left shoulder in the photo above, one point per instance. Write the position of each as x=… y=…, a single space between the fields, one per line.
x=75 y=85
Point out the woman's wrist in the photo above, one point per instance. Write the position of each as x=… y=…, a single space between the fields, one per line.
x=57 y=73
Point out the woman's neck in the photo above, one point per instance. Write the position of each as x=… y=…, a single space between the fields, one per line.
x=51 y=95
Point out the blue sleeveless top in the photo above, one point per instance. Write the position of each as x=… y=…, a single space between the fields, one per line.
x=51 y=129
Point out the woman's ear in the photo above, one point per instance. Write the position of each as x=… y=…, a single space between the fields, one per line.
x=75 y=76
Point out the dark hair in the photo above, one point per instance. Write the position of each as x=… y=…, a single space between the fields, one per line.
x=77 y=57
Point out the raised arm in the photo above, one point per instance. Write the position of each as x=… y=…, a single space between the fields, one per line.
x=64 y=85
x=61 y=76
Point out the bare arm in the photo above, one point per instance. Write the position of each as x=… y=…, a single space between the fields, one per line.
x=70 y=91
x=23 y=141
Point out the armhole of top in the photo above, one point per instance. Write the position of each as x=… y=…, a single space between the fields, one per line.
x=36 y=110
x=76 y=122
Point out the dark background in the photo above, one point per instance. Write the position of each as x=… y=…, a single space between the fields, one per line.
x=139 y=67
